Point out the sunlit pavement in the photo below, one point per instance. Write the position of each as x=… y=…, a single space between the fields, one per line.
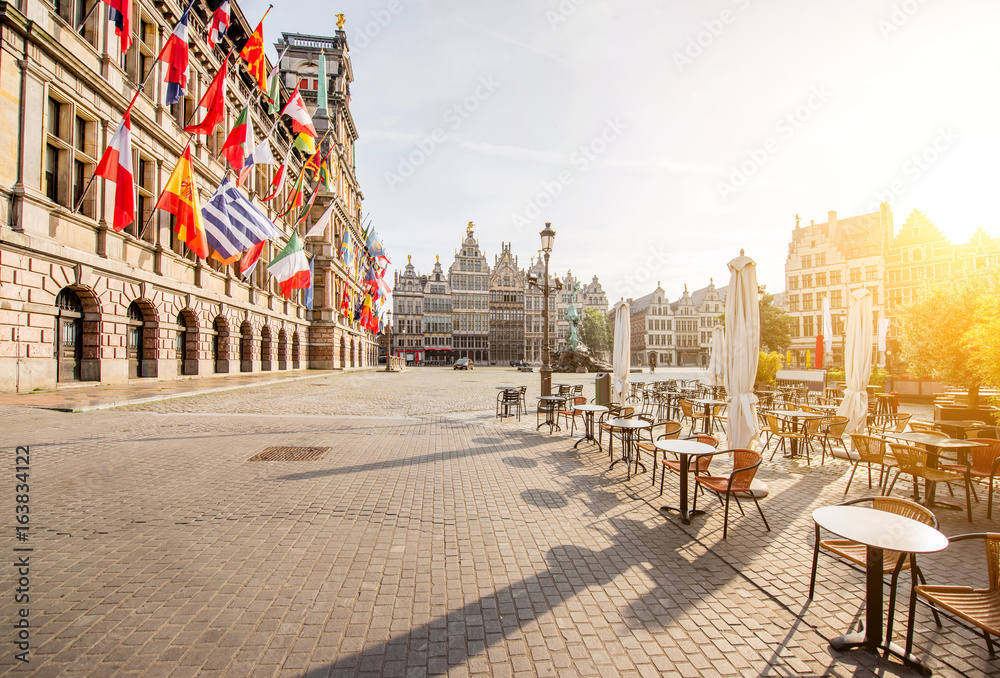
x=429 y=539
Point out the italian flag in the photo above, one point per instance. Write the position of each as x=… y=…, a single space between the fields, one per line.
x=291 y=267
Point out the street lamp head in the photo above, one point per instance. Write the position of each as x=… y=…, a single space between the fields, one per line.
x=559 y=284
x=533 y=279
x=548 y=237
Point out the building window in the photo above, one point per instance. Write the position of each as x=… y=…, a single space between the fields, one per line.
x=835 y=277
x=820 y=279
x=807 y=281
x=871 y=273
x=793 y=303
x=807 y=261
x=52 y=172
x=821 y=259
x=807 y=302
x=855 y=274
x=793 y=282
x=835 y=299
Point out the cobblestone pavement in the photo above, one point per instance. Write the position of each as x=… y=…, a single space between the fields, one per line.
x=429 y=540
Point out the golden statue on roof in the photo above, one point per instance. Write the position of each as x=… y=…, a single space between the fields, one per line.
x=409 y=258
x=341 y=20
x=468 y=229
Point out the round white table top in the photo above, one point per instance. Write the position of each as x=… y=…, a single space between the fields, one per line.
x=590 y=408
x=683 y=446
x=880 y=529
x=628 y=423
x=795 y=414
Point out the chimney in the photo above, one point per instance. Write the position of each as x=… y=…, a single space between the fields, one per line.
x=831 y=226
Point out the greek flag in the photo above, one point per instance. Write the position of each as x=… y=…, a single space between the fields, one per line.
x=232 y=223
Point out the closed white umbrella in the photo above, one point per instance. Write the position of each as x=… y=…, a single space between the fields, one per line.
x=717 y=363
x=857 y=360
x=622 y=359
x=742 y=342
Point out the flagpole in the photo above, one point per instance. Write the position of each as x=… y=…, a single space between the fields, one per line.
x=89 y=12
x=195 y=111
x=86 y=190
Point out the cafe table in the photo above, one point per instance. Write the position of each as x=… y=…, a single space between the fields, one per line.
x=685 y=450
x=708 y=403
x=588 y=422
x=795 y=415
x=933 y=444
x=959 y=429
x=552 y=403
x=630 y=431
x=878 y=531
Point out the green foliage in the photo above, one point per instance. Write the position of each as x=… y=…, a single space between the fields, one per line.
x=775 y=328
x=596 y=332
x=768 y=365
x=876 y=378
x=945 y=334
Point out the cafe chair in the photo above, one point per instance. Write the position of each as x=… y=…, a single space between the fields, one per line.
x=979 y=607
x=923 y=427
x=745 y=464
x=572 y=413
x=856 y=554
x=719 y=413
x=870 y=450
x=828 y=431
x=688 y=412
x=522 y=394
x=614 y=412
x=667 y=430
x=913 y=462
x=774 y=426
x=985 y=462
x=700 y=465
x=508 y=404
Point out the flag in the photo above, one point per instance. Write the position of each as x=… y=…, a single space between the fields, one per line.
x=240 y=140
x=250 y=259
x=261 y=156
x=116 y=167
x=374 y=245
x=320 y=226
x=345 y=248
x=827 y=328
x=295 y=199
x=121 y=15
x=279 y=177
x=253 y=54
x=297 y=111
x=308 y=208
x=220 y=23
x=175 y=54
x=291 y=267
x=309 y=290
x=233 y=223
x=274 y=90
x=180 y=198
x=324 y=173
x=313 y=162
x=305 y=143
x=321 y=98
x=366 y=311
x=345 y=302
x=214 y=101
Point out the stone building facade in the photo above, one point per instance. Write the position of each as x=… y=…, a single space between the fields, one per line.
x=832 y=259
x=507 y=317
x=469 y=277
x=81 y=302
x=407 y=318
x=437 y=318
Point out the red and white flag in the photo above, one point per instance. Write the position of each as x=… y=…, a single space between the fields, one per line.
x=220 y=24
x=297 y=111
x=116 y=167
x=279 y=178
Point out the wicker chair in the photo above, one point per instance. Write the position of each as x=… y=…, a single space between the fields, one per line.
x=922 y=427
x=979 y=607
x=857 y=553
x=671 y=430
x=700 y=466
x=774 y=426
x=985 y=462
x=870 y=450
x=688 y=412
x=745 y=464
x=913 y=461
x=828 y=430
x=618 y=413
x=572 y=413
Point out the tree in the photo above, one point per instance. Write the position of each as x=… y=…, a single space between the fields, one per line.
x=595 y=331
x=942 y=333
x=982 y=342
x=775 y=326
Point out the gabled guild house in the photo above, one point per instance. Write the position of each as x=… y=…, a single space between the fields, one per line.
x=221 y=233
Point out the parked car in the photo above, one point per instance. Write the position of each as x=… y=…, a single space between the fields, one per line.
x=518 y=363
x=463 y=364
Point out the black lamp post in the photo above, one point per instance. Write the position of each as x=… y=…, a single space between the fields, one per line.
x=548 y=237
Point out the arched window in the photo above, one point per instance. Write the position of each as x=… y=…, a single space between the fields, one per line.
x=135 y=341
x=69 y=337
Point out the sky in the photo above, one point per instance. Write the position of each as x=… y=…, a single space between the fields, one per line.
x=661 y=138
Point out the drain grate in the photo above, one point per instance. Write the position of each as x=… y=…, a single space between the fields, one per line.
x=290 y=454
